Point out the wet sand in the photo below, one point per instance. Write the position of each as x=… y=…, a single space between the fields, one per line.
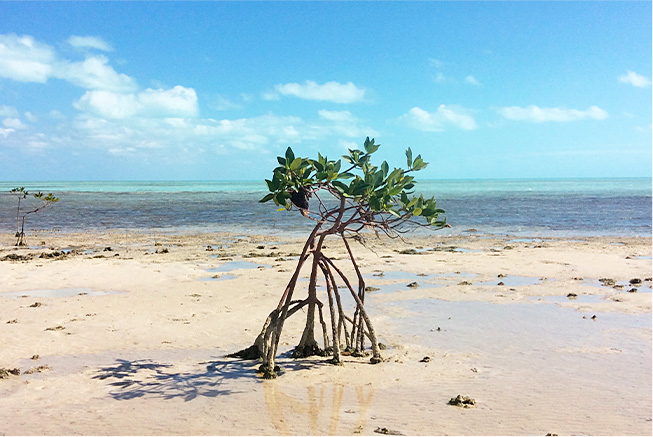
x=126 y=333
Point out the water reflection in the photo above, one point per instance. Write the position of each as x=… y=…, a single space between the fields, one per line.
x=319 y=411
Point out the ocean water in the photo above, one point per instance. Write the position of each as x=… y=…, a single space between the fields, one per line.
x=534 y=208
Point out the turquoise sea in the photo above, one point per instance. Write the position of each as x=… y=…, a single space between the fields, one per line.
x=520 y=207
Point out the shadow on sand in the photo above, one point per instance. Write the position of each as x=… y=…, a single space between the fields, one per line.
x=141 y=378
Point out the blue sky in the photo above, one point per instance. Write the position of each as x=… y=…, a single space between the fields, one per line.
x=216 y=90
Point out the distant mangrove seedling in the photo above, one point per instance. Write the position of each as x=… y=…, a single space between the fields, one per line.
x=22 y=211
x=344 y=203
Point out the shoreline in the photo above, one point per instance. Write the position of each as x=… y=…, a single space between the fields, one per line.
x=141 y=349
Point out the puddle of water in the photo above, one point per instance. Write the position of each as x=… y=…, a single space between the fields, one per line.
x=236 y=265
x=394 y=288
x=625 y=286
x=526 y=240
x=218 y=278
x=489 y=329
x=581 y=298
x=512 y=281
x=463 y=250
x=643 y=257
x=409 y=276
x=61 y=292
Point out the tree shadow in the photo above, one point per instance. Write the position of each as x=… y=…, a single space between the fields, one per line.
x=139 y=378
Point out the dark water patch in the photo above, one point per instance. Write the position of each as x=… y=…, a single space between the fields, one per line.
x=524 y=208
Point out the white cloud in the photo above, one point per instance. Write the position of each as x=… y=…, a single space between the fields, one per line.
x=635 y=79
x=91 y=42
x=25 y=60
x=472 y=80
x=438 y=120
x=331 y=91
x=13 y=123
x=176 y=102
x=539 y=115
x=93 y=73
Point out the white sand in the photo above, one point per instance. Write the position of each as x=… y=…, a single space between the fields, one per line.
x=148 y=356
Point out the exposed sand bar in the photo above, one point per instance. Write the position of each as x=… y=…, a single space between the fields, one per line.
x=133 y=341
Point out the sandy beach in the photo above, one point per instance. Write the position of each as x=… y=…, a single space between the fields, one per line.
x=126 y=333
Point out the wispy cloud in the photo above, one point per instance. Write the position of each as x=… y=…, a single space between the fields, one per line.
x=13 y=123
x=635 y=79
x=331 y=91
x=24 y=59
x=472 y=80
x=89 y=42
x=445 y=115
x=8 y=111
x=536 y=114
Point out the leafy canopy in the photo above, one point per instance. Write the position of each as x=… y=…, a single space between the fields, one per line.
x=375 y=188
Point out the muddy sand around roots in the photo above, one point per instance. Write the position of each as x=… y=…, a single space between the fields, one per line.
x=126 y=333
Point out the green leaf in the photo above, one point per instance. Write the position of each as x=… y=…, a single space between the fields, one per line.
x=281 y=160
x=296 y=163
x=340 y=186
x=369 y=146
x=419 y=164
x=346 y=175
x=290 y=156
x=267 y=198
x=385 y=169
x=270 y=185
x=409 y=157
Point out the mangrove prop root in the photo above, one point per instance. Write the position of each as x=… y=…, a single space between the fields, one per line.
x=266 y=345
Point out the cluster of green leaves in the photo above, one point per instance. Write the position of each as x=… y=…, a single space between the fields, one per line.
x=376 y=188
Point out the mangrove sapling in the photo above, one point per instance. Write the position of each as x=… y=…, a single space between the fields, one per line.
x=345 y=202
x=24 y=211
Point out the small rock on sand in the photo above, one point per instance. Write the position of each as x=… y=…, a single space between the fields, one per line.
x=462 y=401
